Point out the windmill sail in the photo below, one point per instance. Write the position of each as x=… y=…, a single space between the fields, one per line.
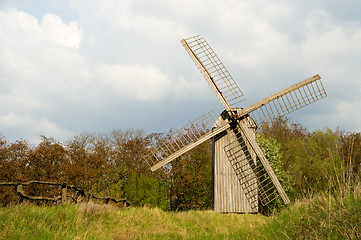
x=254 y=173
x=287 y=100
x=183 y=140
x=214 y=71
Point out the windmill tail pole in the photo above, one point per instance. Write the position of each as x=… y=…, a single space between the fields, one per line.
x=266 y=166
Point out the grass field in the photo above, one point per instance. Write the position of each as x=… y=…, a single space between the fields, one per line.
x=323 y=217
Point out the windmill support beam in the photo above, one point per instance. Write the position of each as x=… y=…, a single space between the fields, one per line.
x=204 y=138
x=266 y=166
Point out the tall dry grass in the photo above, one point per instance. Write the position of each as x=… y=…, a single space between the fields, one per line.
x=318 y=217
x=94 y=221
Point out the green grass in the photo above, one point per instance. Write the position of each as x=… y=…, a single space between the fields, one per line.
x=323 y=217
x=93 y=221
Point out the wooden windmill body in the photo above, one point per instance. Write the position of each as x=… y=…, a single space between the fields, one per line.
x=242 y=175
x=228 y=195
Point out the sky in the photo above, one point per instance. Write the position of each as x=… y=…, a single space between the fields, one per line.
x=74 y=66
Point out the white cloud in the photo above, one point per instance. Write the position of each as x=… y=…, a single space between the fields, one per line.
x=17 y=24
x=147 y=83
x=135 y=82
x=49 y=128
x=11 y=120
x=56 y=31
x=346 y=111
x=126 y=16
x=45 y=76
x=32 y=128
x=42 y=69
x=57 y=75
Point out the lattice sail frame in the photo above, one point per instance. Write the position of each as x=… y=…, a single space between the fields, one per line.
x=288 y=100
x=181 y=138
x=214 y=71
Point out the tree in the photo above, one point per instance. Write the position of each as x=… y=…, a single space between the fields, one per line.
x=146 y=190
x=272 y=151
x=191 y=179
x=350 y=153
x=47 y=161
x=12 y=167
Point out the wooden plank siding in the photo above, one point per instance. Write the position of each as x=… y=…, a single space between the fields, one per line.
x=228 y=196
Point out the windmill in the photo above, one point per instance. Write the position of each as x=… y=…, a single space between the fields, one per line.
x=242 y=175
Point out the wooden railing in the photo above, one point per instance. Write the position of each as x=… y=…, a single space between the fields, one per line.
x=64 y=197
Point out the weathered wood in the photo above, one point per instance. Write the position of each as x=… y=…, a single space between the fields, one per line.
x=22 y=195
x=9 y=183
x=175 y=141
x=265 y=163
x=19 y=192
x=19 y=188
x=228 y=194
x=77 y=189
x=190 y=146
x=108 y=199
x=278 y=94
x=206 y=75
x=55 y=199
x=64 y=195
x=214 y=71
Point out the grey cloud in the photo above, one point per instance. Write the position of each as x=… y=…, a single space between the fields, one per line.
x=130 y=71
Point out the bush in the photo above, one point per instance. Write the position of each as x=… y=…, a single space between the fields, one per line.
x=146 y=190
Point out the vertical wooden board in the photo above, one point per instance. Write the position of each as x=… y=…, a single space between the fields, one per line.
x=64 y=195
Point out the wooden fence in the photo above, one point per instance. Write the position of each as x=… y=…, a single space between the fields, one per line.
x=65 y=196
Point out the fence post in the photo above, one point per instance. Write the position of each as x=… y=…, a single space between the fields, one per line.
x=20 y=192
x=64 y=194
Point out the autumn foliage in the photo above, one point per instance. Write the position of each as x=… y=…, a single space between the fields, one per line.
x=114 y=164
